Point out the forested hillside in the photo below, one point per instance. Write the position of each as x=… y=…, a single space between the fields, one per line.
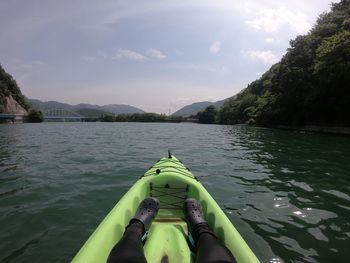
x=309 y=86
x=194 y=108
x=9 y=87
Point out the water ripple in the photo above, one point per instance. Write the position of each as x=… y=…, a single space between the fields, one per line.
x=20 y=251
x=287 y=193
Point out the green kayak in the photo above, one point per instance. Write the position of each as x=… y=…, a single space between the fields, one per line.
x=171 y=182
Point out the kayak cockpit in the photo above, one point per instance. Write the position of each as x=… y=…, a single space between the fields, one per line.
x=171 y=182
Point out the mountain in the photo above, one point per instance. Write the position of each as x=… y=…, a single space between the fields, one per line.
x=40 y=105
x=121 y=108
x=196 y=107
x=221 y=103
x=111 y=108
x=91 y=113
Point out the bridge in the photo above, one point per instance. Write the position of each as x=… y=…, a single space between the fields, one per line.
x=49 y=115
x=62 y=115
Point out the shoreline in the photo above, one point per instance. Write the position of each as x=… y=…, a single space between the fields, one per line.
x=316 y=129
x=306 y=128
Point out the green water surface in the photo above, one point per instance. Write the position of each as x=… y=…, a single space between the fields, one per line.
x=288 y=193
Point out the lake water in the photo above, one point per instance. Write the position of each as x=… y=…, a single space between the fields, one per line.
x=288 y=193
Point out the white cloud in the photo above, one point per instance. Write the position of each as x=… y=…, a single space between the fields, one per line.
x=269 y=40
x=267 y=57
x=215 y=47
x=271 y=20
x=155 y=53
x=183 y=24
x=127 y=54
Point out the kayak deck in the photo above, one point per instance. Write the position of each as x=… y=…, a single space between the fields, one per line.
x=171 y=182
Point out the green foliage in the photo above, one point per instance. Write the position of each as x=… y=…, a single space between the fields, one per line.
x=146 y=117
x=239 y=109
x=121 y=118
x=334 y=54
x=35 y=116
x=310 y=83
x=139 y=117
x=8 y=86
x=208 y=116
x=108 y=117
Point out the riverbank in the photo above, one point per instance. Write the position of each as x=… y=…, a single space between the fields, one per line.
x=317 y=129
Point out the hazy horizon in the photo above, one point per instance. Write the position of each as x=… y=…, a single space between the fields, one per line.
x=155 y=55
x=111 y=104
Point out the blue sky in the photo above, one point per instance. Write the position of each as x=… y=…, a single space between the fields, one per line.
x=158 y=55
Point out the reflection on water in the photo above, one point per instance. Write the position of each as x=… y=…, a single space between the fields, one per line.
x=286 y=192
x=302 y=207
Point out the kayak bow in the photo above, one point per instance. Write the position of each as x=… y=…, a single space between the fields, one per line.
x=171 y=182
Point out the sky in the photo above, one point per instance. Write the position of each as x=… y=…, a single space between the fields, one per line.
x=158 y=55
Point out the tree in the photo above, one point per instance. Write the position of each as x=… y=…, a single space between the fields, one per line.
x=108 y=117
x=332 y=65
x=208 y=116
x=35 y=116
x=309 y=86
x=8 y=86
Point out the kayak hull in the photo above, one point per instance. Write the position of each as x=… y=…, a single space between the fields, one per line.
x=171 y=182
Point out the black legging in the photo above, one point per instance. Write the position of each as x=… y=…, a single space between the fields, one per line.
x=130 y=247
x=209 y=250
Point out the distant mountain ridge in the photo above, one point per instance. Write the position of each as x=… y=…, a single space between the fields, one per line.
x=196 y=107
x=112 y=108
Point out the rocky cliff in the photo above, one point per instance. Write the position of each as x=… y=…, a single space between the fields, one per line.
x=11 y=97
x=10 y=105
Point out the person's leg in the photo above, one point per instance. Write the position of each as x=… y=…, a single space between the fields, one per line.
x=209 y=248
x=130 y=247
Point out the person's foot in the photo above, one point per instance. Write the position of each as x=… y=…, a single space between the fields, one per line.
x=147 y=211
x=196 y=223
x=193 y=213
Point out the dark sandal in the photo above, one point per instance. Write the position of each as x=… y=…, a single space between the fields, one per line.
x=147 y=211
